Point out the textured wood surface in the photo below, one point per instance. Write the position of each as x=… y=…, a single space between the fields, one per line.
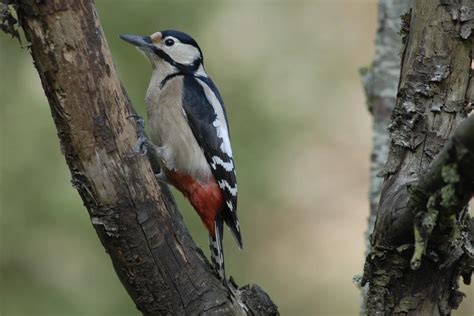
x=380 y=82
x=135 y=218
x=435 y=94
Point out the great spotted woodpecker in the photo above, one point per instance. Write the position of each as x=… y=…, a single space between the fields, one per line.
x=188 y=130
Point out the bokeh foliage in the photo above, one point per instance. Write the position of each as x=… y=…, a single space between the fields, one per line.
x=301 y=135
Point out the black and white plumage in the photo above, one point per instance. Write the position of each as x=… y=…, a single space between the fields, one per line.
x=206 y=116
x=188 y=124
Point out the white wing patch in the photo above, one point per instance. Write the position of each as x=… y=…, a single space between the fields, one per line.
x=224 y=135
x=237 y=225
x=226 y=162
x=228 y=166
x=220 y=122
x=224 y=185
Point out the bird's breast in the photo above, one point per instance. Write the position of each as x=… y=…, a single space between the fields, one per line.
x=169 y=129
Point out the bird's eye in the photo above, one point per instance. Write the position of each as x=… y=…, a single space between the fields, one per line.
x=169 y=42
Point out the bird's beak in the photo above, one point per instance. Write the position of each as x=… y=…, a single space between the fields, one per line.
x=143 y=42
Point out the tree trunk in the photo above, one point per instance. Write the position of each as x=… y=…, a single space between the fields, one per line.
x=435 y=94
x=380 y=83
x=135 y=218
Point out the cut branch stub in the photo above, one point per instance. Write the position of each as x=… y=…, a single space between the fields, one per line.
x=446 y=187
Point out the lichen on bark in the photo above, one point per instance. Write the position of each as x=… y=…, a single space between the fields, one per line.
x=434 y=95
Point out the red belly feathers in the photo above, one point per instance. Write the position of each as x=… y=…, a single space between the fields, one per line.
x=206 y=198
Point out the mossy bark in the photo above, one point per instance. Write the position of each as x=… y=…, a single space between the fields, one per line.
x=435 y=94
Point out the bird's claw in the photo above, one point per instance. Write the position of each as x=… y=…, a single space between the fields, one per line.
x=140 y=124
x=138 y=119
x=236 y=293
x=232 y=286
x=142 y=144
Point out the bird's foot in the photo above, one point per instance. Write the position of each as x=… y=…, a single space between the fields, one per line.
x=161 y=177
x=232 y=286
x=144 y=147
x=143 y=144
x=236 y=293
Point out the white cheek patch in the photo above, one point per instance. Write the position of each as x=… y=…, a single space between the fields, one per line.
x=182 y=53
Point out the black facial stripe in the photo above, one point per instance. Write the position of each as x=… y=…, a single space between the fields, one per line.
x=169 y=77
x=164 y=56
x=186 y=69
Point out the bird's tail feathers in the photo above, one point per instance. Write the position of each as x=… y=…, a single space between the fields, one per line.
x=233 y=223
x=217 y=249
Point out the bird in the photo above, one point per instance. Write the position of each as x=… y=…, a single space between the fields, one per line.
x=189 y=132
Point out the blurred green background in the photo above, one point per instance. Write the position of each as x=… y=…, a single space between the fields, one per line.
x=288 y=71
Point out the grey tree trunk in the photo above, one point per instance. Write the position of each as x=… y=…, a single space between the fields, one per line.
x=380 y=83
x=421 y=242
x=135 y=218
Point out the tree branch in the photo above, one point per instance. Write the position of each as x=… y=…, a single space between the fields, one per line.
x=453 y=165
x=434 y=95
x=444 y=190
x=135 y=218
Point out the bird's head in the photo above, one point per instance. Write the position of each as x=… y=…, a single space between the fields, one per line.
x=173 y=47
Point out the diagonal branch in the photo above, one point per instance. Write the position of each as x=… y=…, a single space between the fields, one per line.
x=135 y=218
x=444 y=190
x=458 y=154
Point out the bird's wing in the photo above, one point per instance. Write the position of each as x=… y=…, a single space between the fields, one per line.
x=204 y=110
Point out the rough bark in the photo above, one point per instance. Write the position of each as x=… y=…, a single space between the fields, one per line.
x=380 y=83
x=135 y=218
x=454 y=165
x=435 y=94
